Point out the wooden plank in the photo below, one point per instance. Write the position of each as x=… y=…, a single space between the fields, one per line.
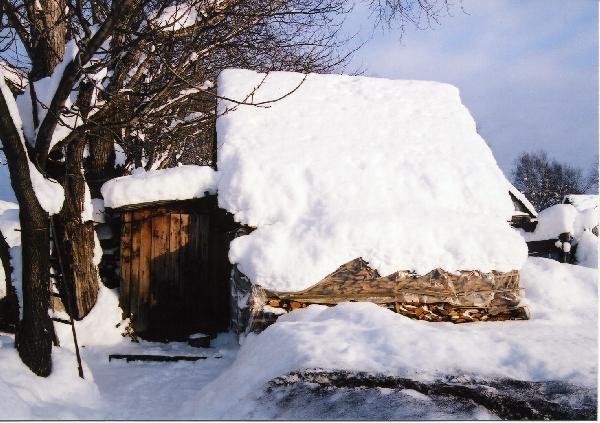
x=142 y=321
x=186 y=260
x=134 y=286
x=205 y=300
x=125 y=249
x=160 y=298
x=160 y=248
x=192 y=278
x=154 y=357
x=174 y=249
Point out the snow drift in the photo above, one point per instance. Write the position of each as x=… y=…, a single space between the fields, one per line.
x=345 y=167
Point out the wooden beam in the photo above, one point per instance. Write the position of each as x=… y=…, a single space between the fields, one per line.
x=153 y=357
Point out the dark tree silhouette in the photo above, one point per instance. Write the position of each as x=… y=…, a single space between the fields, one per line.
x=545 y=181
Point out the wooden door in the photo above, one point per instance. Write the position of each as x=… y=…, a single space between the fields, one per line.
x=164 y=260
x=175 y=270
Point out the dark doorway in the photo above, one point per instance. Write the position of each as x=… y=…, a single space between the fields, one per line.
x=175 y=269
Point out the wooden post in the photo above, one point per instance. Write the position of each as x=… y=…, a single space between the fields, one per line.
x=124 y=297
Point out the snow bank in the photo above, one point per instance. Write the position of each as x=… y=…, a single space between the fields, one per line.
x=49 y=193
x=25 y=396
x=587 y=250
x=559 y=343
x=101 y=327
x=344 y=167
x=179 y=183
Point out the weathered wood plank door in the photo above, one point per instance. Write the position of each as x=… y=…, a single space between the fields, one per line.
x=174 y=272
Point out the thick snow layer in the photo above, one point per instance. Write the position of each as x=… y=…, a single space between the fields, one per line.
x=179 y=183
x=582 y=201
x=62 y=395
x=558 y=343
x=344 y=167
x=50 y=194
x=587 y=250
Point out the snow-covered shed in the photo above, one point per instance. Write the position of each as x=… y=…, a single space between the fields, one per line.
x=567 y=232
x=346 y=171
x=345 y=179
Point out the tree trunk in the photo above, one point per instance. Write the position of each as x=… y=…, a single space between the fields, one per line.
x=35 y=331
x=76 y=237
x=101 y=163
x=9 y=305
x=48 y=34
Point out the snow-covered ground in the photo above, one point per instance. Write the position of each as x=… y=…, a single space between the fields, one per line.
x=559 y=343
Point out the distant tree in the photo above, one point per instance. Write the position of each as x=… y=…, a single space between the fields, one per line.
x=592 y=178
x=545 y=181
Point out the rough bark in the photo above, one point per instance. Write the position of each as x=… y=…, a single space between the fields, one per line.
x=101 y=163
x=35 y=331
x=9 y=305
x=76 y=237
x=48 y=32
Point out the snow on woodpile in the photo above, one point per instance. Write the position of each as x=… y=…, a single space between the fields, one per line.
x=345 y=167
x=179 y=183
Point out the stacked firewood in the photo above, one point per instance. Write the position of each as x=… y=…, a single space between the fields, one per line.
x=438 y=296
x=437 y=312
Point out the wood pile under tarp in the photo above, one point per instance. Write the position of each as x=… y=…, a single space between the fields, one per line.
x=465 y=296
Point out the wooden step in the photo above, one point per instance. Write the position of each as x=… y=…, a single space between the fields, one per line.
x=155 y=357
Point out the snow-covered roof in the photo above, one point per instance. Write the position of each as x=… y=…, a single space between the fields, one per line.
x=582 y=201
x=346 y=166
x=178 y=183
x=522 y=199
